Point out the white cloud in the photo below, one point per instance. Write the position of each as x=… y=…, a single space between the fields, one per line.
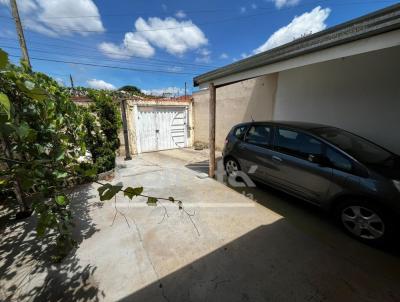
x=282 y=3
x=167 y=91
x=44 y=16
x=133 y=45
x=254 y=6
x=204 y=55
x=307 y=23
x=204 y=52
x=175 y=37
x=224 y=56
x=203 y=59
x=175 y=68
x=180 y=14
x=100 y=84
x=243 y=9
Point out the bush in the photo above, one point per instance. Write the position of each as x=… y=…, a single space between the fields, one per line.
x=42 y=136
x=102 y=122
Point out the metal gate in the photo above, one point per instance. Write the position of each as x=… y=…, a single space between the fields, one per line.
x=161 y=128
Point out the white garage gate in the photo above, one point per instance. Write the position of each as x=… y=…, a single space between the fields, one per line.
x=161 y=128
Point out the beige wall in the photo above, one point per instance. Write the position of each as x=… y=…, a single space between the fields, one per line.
x=360 y=94
x=236 y=103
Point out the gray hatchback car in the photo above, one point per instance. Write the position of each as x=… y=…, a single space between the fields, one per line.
x=341 y=172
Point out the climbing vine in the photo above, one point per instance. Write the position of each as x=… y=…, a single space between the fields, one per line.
x=107 y=114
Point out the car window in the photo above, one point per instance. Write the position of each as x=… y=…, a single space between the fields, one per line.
x=259 y=135
x=239 y=132
x=338 y=160
x=297 y=143
x=361 y=149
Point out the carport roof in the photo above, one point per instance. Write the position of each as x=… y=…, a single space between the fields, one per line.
x=381 y=21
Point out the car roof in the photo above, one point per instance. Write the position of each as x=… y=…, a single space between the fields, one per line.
x=291 y=124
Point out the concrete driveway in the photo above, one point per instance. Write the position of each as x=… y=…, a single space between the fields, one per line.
x=248 y=244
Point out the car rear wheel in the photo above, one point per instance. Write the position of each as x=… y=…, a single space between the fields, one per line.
x=232 y=167
x=364 y=221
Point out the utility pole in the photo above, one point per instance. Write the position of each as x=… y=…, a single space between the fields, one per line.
x=25 y=55
x=72 y=81
x=185 y=91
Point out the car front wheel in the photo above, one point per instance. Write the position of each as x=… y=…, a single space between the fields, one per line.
x=232 y=167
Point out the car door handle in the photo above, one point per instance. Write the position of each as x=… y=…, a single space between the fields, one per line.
x=276 y=158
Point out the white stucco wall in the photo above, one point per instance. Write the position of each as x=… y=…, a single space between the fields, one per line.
x=359 y=93
x=236 y=103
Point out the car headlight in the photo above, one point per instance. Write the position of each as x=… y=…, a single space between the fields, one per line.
x=397 y=184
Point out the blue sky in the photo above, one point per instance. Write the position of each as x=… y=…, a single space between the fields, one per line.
x=169 y=41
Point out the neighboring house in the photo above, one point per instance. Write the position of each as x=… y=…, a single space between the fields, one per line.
x=82 y=100
x=159 y=124
x=152 y=124
x=346 y=76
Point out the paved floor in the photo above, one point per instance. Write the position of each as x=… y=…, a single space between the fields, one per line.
x=245 y=244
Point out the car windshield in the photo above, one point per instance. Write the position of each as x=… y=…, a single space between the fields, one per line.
x=361 y=149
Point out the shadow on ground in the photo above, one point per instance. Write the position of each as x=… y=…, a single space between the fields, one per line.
x=201 y=166
x=301 y=214
x=273 y=262
x=27 y=272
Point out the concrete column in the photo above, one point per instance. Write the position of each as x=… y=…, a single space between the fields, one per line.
x=212 y=90
x=125 y=125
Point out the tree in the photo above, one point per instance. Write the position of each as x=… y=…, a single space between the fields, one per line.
x=132 y=89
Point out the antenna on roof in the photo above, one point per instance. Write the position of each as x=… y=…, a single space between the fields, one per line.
x=252 y=118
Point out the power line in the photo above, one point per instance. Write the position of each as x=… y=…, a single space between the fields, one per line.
x=109 y=66
x=87 y=48
x=266 y=11
x=135 y=14
x=99 y=58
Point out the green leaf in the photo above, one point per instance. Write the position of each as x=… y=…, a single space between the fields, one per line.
x=3 y=59
x=23 y=130
x=108 y=191
x=25 y=66
x=60 y=155
x=38 y=94
x=5 y=107
x=91 y=172
x=61 y=200
x=152 y=201
x=26 y=183
x=83 y=148
x=29 y=85
x=132 y=192
x=3 y=181
x=60 y=174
